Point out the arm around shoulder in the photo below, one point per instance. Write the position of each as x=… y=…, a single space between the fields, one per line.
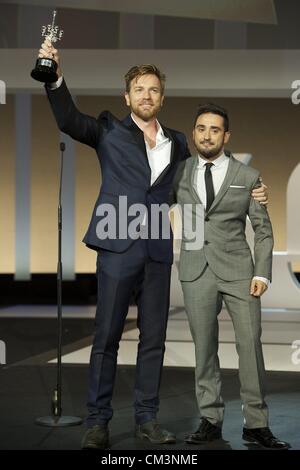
x=263 y=239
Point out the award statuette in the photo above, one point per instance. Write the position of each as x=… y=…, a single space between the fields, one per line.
x=45 y=68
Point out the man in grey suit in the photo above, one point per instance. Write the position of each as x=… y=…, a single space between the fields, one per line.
x=222 y=269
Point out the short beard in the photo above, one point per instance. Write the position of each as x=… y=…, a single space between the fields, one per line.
x=145 y=116
x=209 y=153
x=206 y=153
x=148 y=116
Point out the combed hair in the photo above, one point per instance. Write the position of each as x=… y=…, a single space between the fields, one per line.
x=214 y=109
x=144 y=69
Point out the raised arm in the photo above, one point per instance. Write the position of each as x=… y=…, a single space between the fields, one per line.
x=79 y=126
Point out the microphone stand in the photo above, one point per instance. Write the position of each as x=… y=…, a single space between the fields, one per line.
x=57 y=420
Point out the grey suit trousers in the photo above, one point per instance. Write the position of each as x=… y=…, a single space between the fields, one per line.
x=203 y=302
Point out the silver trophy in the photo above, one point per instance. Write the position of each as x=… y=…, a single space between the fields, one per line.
x=45 y=68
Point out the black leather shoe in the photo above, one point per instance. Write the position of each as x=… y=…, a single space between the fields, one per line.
x=154 y=433
x=265 y=438
x=205 y=433
x=96 y=437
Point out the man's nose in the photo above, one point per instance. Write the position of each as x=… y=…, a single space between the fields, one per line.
x=146 y=94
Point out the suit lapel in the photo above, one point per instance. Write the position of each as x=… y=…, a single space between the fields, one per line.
x=232 y=170
x=138 y=136
x=170 y=136
x=165 y=171
x=192 y=179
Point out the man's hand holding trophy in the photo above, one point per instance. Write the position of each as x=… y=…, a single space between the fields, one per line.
x=47 y=68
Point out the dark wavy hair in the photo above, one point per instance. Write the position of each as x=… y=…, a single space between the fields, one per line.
x=214 y=109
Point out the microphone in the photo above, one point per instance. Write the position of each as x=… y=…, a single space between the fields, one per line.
x=57 y=419
x=62 y=147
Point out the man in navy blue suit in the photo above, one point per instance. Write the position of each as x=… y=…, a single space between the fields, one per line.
x=138 y=158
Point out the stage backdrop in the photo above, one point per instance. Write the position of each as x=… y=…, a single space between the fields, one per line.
x=266 y=128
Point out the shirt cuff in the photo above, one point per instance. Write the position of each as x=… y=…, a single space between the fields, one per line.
x=54 y=85
x=263 y=279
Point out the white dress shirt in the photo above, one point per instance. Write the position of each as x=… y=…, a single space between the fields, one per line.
x=159 y=156
x=57 y=84
x=218 y=171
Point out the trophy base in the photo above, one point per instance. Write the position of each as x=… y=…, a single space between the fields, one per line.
x=45 y=71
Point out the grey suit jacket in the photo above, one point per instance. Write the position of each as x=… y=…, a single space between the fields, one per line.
x=225 y=248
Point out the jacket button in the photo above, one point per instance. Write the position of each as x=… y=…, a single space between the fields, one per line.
x=206 y=219
x=206 y=242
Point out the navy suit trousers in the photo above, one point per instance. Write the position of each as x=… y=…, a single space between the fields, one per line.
x=121 y=276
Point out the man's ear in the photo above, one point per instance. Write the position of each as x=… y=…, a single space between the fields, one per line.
x=126 y=95
x=227 y=137
x=162 y=100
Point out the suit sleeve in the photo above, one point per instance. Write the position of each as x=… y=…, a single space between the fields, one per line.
x=185 y=153
x=79 y=126
x=176 y=180
x=263 y=239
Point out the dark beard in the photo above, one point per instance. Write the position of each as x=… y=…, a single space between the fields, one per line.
x=209 y=153
x=206 y=153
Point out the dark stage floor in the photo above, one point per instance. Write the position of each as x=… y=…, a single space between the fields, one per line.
x=26 y=395
x=27 y=382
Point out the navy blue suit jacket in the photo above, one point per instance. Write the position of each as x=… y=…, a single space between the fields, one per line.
x=125 y=169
